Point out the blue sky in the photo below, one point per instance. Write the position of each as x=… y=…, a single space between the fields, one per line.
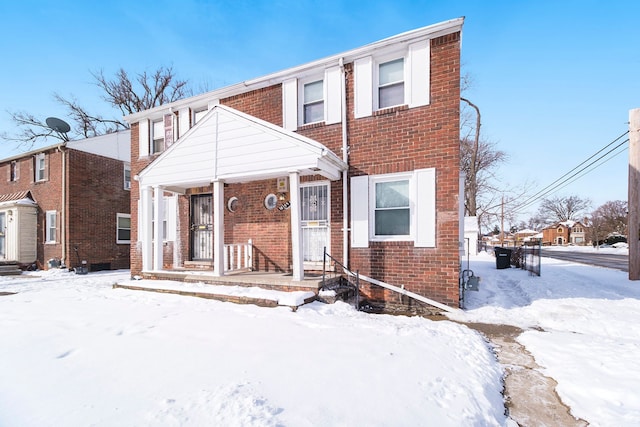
x=554 y=80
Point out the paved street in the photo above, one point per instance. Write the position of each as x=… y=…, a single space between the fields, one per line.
x=617 y=261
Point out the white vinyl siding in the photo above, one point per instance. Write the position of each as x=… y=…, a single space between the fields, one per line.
x=394 y=207
x=198 y=114
x=123 y=225
x=51 y=227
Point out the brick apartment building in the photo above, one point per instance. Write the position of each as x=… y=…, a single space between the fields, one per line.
x=66 y=196
x=357 y=152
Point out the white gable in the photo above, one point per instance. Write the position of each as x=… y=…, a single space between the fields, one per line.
x=234 y=147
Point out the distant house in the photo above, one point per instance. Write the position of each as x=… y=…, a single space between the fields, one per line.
x=357 y=153
x=523 y=236
x=564 y=233
x=68 y=201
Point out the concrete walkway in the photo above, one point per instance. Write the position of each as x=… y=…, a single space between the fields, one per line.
x=530 y=397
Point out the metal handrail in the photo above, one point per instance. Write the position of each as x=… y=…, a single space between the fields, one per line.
x=345 y=269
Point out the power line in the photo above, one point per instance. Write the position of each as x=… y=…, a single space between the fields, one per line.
x=558 y=183
x=526 y=202
x=593 y=168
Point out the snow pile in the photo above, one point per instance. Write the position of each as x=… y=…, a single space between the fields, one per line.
x=582 y=326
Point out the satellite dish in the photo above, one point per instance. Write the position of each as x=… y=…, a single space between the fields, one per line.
x=58 y=125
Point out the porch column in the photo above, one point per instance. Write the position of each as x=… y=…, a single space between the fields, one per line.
x=145 y=237
x=296 y=229
x=158 y=218
x=218 y=228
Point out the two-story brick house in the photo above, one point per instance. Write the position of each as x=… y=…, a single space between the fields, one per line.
x=565 y=232
x=66 y=201
x=357 y=153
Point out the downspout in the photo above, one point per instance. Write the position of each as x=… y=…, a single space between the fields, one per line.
x=63 y=211
x=345 y=158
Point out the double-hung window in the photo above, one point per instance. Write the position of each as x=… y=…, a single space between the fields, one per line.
x=391 y=83
x=394 y=207
x=313 y=102
x=127 y=176
x=123 y=224
x=13 y=172
x=157 y=136
x=50 y=227
x=40 y=163
x=392 y=211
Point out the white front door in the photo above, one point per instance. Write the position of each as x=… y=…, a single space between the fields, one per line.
x=315 y=221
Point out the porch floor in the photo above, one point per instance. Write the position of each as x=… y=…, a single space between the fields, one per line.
x=266 y=280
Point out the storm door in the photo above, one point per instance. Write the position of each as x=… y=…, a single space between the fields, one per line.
x=201 y=227
x=315 y=222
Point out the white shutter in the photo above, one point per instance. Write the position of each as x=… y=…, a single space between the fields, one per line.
x=425 y=217
x=363 y=76
x=290 y=104
x=332 y=96
x=417 y=84
x=360 y=212
x=143 y=138
x=184 y=114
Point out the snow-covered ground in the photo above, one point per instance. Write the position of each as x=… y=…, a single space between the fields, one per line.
x=74 y=351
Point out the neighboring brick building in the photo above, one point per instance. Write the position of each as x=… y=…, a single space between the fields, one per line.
x=358 y=152
x=566 y=232
x=66 y=196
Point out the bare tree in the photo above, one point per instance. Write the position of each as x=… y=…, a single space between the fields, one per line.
x=609 y=218
x=128 y=95
x=568 y=208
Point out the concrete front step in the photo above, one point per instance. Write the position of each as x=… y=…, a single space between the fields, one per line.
x=10 y=270
x=263 y=298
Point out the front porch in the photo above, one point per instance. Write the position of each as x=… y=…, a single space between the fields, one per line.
x=265 y=280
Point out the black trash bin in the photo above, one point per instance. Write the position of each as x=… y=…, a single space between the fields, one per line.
x=503 y=257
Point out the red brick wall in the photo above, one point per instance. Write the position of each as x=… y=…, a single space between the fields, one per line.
x=96 y=192
x=393 y=140
x=96 y=195
x=402 y=139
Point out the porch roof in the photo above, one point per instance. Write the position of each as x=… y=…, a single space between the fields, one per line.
x=232 y=146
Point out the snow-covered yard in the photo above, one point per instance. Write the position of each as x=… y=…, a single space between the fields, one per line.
x=77 y=352
x=74 y=351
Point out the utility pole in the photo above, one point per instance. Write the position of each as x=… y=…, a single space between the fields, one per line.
x=633 y=226
x=502 y=223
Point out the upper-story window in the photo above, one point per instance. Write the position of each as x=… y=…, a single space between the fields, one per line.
x=391 y=83
x=13 y=171
x=392 y=78
x=560 y=230
x=313 y=102
x=157 y=136
x=127 y=176
x=40 y=167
